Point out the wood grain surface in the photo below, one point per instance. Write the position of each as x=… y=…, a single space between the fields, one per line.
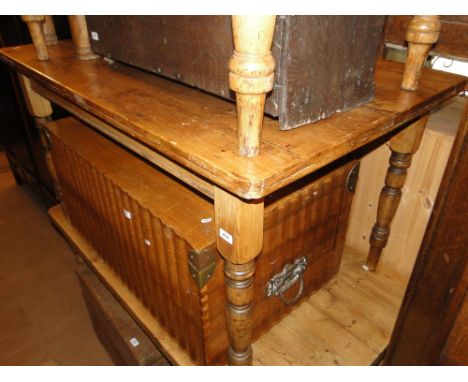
x=453 y=38
x=419 y=192
x=199 y=131
x=317 y=70
x=439 y=280
x=142 y=224
x=342 y=324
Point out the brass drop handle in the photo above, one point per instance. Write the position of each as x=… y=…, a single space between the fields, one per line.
x=286 y=279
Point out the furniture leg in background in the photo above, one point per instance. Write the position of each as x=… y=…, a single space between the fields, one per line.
x=79 y=32
x=37 y=35
x=423 y=32
x=50 y=36
x=403 y=146
x=439 y=281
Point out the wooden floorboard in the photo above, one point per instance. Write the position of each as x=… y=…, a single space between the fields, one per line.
x=347 y=322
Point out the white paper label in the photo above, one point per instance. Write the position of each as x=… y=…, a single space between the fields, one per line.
x=127 y=214
x=95 y=36
x=225 y=236
x=134 y=342
x=206 y=220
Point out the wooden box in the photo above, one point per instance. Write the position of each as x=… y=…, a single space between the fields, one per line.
x=158 y=236
x=324 y=64
x=124 y=340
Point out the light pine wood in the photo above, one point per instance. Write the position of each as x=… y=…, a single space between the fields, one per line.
x=251 y=76
x=423 y=32
x=347 y=322
x=50 y=36
x=239 y=227
x=37 y=105
x=199 y=131
x=419 y=192
x=342 y=324
x=79 y=32
x=37 y=35
x=403 y=146
x=179 y=172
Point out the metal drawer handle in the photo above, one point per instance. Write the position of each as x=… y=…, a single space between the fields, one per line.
x=286 y=279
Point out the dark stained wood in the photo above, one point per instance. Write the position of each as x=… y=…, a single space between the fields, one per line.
x=453 y=38
x=121 y=336
x=437 y=286
x=99 y=180
x=403 y=146
x=455 y=352
x=199 y=131
x=239 y=311
x=317 y=69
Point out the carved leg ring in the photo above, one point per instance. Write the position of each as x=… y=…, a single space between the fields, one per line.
x=388 y=203
x=251 y=76
x=239 y=288
x=403 y=146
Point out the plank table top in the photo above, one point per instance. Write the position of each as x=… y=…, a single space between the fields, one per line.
x=198 y=131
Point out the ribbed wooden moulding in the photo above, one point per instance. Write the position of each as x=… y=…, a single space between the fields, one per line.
x=143 y=224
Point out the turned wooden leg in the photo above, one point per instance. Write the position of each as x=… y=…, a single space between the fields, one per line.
x=37 y=36
x=41 y=109
x=239 y=227
x=403 y=146
x=239 y=292
x=79 y=31
x=251 y=76
x=423 y=31
x=50 y=35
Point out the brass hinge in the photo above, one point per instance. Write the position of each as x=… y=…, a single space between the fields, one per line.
x=202 y=265
x=352 y=179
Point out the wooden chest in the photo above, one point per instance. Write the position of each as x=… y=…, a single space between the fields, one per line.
x=324 y=64
x=158 y=236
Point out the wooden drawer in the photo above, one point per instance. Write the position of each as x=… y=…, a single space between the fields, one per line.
x=158 y=236
x=324 y=64
x=118 y=332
